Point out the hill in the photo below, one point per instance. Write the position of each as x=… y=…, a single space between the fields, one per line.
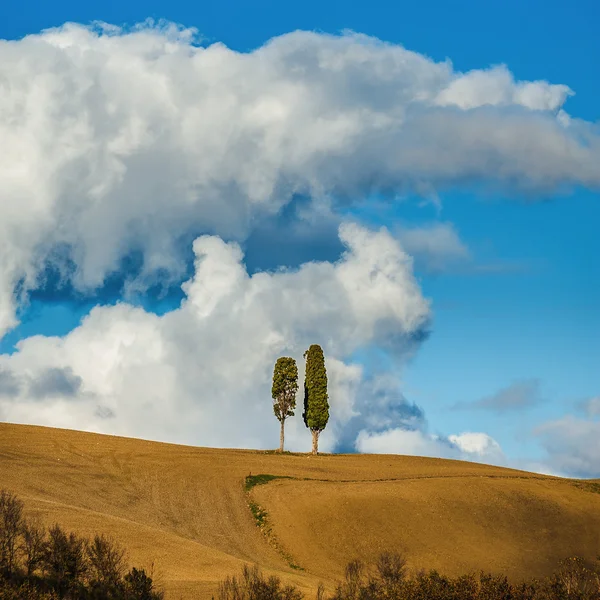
x=185 y=509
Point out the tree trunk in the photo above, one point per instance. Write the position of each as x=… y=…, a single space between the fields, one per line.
x=315 y=441
x=281 y=435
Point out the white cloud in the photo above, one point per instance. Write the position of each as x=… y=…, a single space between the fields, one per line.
x=478 y=447
x=477 y=444
x=497 y=87
x=201 y=374
x=116 y=140
x=402 y=441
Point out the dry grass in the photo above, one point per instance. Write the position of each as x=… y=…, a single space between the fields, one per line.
x=186 y=509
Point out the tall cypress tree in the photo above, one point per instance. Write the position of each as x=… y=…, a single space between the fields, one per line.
x=316 y=406
x=285 y=386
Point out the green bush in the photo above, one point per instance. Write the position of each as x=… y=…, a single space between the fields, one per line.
x=261 y=479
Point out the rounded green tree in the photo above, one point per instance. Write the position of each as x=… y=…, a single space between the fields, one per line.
x=316 y=406
x=285 y=386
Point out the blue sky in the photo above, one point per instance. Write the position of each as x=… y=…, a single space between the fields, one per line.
x=514 y=293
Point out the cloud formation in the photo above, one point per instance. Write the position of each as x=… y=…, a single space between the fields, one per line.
x=9 y=384
x=517 y=396
x=201 y=374
x=119 y=140
x=435 y=246
x=378 y=406
x=591 y=406
x=55 y=382
x=477 y=447
x=572 y=445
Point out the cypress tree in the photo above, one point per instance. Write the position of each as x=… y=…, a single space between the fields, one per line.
x=316 y=406
x=285 y=386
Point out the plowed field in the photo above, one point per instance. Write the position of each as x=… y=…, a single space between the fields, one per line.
x=185 y=509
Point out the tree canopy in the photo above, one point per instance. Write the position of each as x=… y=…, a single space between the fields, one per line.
x=316 y=405
x=285 y=387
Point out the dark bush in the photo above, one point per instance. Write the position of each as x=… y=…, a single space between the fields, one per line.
x=139 y=586
x=65 y=564
x=36 y=564
x=106 y=561
x=11 y=522
x=389 y=579
x=33 y=546
x=252 y=585
x=574 y=580
x=25 y=592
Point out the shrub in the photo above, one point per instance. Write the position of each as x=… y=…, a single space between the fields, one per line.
x=106 y=562
x=11 y=521
x=574 y=580
x=389 y=579
x=577 y=579
x=139 y=586
x=50 y=565
x=25 y=592
x=33 y=546
x=65 y=563
x=252 y=585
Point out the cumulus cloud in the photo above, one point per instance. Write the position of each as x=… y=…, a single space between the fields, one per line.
x=379 y=406
x=201 y=373
x=395 y=426
x=117 y=140
x=478 y=447
x=517 y=396
x=477 y=444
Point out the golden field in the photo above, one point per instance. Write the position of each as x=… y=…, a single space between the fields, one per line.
x=185 y=510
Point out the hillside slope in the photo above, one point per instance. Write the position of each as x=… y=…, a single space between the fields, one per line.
x=185 y=509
